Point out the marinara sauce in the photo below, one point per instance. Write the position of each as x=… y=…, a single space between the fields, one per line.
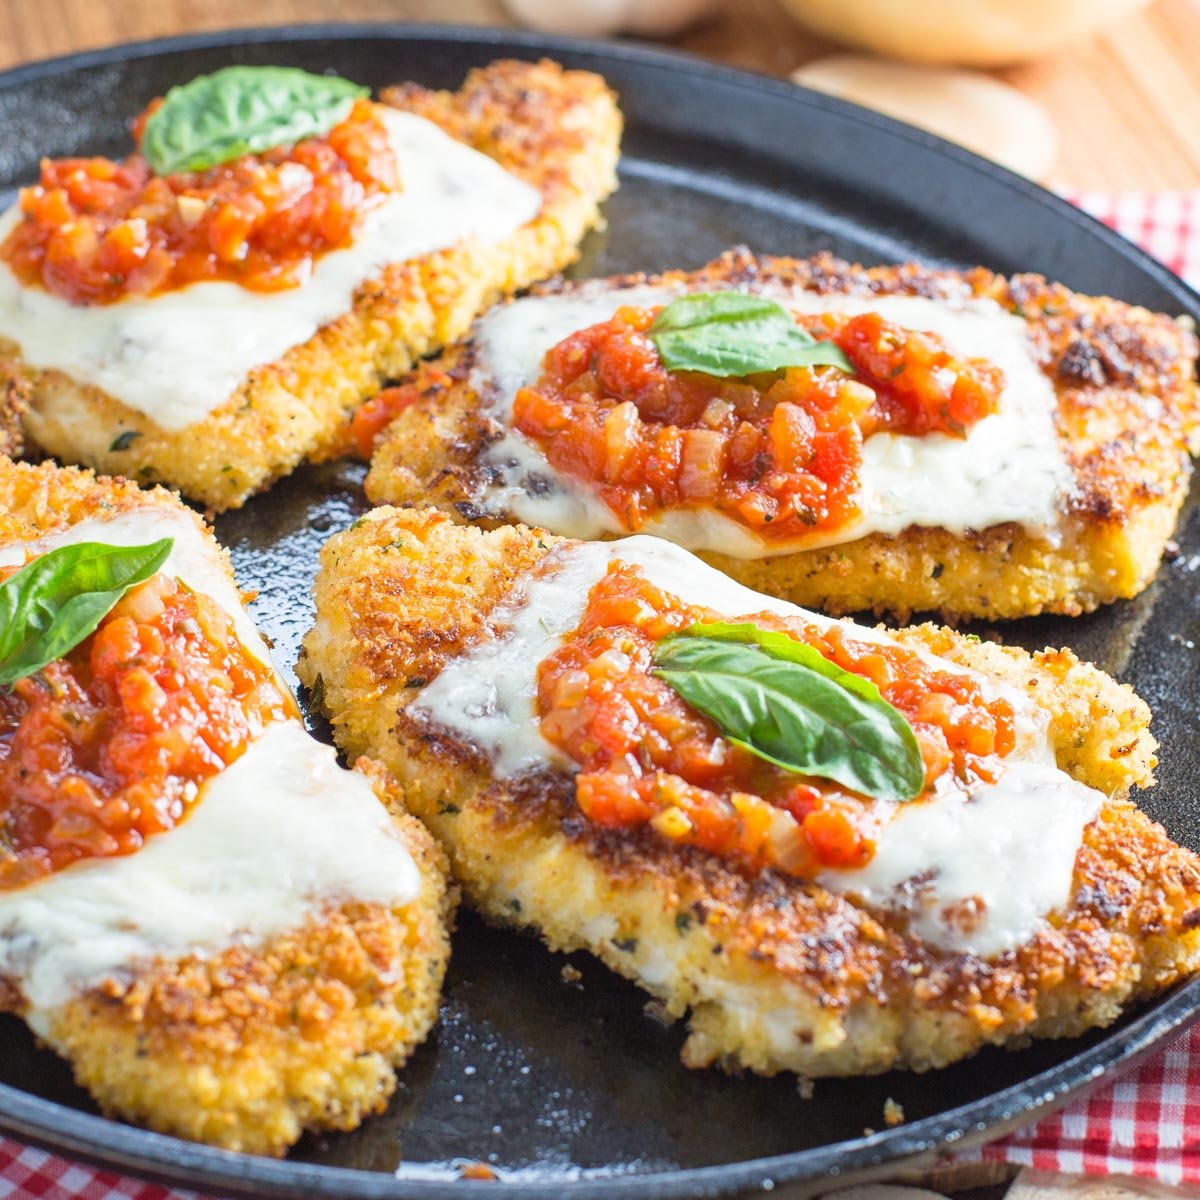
x=779 y=452
x=647 y=758
x=109 y=745
x=96 y=231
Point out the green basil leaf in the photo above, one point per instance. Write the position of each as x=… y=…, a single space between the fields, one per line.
x=733 y=334
x=52 y=603
x=779 y=645
x=786 y=703
x=707 y=308
x=242 y=110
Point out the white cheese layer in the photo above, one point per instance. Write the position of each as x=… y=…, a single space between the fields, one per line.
x=947 y=862
x=272 y=839
x=1029 y=822
x=1008 y=468
x=178 y=356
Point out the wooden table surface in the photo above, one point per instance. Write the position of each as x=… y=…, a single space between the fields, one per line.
x=1127 y=103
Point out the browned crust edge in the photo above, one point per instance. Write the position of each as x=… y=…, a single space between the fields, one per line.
x=1128 y=415
x=404 y=590
x=248 y=1048
x=558 y=130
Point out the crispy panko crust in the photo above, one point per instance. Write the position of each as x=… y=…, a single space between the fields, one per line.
x=39 y=498
x=1128 y=413
x=249 y=1048
x=557 y=130
x=252 y=1047
x=777 y=975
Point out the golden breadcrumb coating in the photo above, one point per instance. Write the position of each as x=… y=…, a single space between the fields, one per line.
x=777 y=974
x=557 y=130
x=38 y=498
x=1127 y=416
x=250 y=1047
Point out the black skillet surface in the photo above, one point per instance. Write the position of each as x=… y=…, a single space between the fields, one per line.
x=569 y=1088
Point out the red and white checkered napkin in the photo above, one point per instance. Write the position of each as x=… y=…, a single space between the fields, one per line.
x=1166 y=224
x=1146 y=1123
x=26 y=1173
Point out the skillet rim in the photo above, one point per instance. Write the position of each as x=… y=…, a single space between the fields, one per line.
x=125 y=1148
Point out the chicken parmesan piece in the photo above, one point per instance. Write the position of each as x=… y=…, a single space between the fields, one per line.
x=519 y=687
x=229 y=937
x=988 y=448
x=212 y=328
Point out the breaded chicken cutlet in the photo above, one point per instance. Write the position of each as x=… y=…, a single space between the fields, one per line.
x=501 y=676
x=219 y=389
x=236 y=947
x=1030 y=456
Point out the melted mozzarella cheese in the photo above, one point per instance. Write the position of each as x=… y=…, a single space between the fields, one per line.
x=178 y=356
x=945 y=862
x=272 y=839
x=195 y=559
x=487 y=696
x=949 y=864
x=1008 y=468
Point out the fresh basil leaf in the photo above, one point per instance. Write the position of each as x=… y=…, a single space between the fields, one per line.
x=707 y=308
x=242 y=110
x=779 y=645
x=52 y=603
x=785 y=702
x=732 y=334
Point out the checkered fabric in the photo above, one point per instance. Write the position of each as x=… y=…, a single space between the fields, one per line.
x=1166 y=224
x=26 y=1173
x=1146 y=1123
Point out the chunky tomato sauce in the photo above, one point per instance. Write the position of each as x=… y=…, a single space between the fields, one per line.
x=647 y=758
x=780 y=452
x=372 y=418
x=96 y=231
x=108 y=746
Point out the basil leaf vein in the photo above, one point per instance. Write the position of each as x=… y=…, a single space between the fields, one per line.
x=242 y=110
x=785 y=702
x=52 y=603
x=731 y=334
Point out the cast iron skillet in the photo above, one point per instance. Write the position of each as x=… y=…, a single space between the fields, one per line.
x=569 y=1088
